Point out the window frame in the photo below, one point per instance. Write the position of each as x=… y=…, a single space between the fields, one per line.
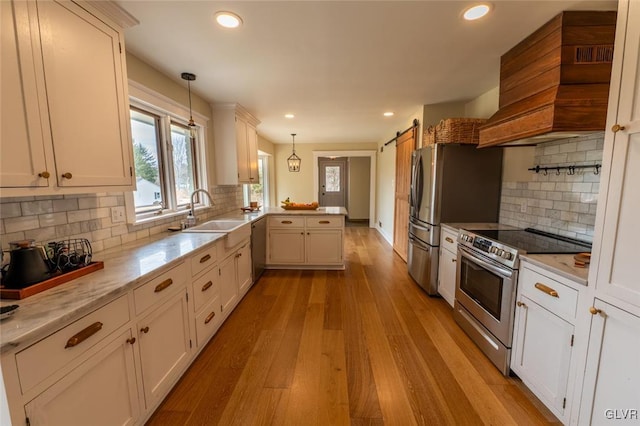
x=266 y=187
x=170 y=112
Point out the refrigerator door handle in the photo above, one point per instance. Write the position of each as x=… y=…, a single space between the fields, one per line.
x=419 y=179
x=419 y=244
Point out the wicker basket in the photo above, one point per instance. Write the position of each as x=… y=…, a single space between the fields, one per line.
x=454 y=130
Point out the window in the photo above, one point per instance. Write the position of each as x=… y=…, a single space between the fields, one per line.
x=332 y=178
x=258 y=192
x=166 y=162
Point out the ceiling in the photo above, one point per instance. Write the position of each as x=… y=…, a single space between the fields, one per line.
x=336 y=65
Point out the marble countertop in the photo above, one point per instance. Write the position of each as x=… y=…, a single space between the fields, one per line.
x=561 y=264
x=124 y=268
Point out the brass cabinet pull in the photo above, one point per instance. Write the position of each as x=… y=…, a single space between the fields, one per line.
x=207 y=286
x=595 y=311
x=286 y=222
x=324 y=222
x=83 y=335
x=546 y=289
x=205 y=258
x=67 y=175
x=131 y=340
x=164 y=284
x=616 y=128
x=44 y=174
x=209 y=317
x=521 y=304
x=145 y=330
x=448 y=239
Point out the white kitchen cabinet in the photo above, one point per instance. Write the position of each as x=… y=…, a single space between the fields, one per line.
x=311 y=242
x=612 y=374
x=235 y=272
x=236 y=145
x=543 y=339
x=100 y=391
x=25 y=139
x=447 y=265
x=612 y=371
x=165 y=347
x=73 y=110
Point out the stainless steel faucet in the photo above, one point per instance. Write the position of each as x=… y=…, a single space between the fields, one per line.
x=191 y=218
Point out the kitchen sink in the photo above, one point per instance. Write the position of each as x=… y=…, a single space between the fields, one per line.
x=235 y=230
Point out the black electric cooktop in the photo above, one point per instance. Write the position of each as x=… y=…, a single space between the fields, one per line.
x=534 y=241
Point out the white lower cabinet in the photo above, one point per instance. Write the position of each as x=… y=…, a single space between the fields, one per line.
x=244 y=268
x=543 y=338
x=100 y=391
x=313 y=242
x=611 y=390
x=164 y=346
x=235 y=276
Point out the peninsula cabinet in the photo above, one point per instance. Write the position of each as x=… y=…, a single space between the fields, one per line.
x=612 y=372
x=305 y=242
x=236 y=145
x=65 y=119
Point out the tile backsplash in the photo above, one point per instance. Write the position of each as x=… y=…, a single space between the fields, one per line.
x=557 y=202
x=52 y=218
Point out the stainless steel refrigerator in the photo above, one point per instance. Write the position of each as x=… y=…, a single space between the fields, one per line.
x=450 y=183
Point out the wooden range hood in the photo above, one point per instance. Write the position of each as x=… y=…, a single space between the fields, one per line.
x=555 y=83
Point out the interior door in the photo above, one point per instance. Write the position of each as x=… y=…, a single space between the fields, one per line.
x=332 y=181
x=405 y=144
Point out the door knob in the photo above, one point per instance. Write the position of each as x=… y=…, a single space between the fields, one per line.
x=67 y=175
x=521 y=304
x=145 y=329
x=44 y=174
x=595 y=311
x=616 y=128
x=131 y=340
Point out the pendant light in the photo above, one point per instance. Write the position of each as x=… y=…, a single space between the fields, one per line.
x=294 y=161
x=192 y=125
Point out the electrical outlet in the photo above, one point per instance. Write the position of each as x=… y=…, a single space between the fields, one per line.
x=117 y=214
x=380 y=224
x=523 y=206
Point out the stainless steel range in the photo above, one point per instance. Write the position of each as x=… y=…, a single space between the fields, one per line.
x=486 y=282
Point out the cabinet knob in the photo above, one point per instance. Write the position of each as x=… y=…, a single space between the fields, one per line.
x=145 y=330
x=616 y=128
x=453 y=260
x=521 y=304
x=67 y=175
x=595 y=311
x=44 y=174
x=131 y=340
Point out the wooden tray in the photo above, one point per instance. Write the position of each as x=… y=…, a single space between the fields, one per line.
x=300 y=208
x=17 y=294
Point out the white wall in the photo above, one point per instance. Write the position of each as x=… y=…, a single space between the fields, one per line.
x=359 y=187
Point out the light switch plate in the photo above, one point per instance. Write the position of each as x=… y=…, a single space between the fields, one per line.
x=117 y=214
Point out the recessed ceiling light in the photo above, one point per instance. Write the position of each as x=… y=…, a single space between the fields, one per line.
x=228 y=19
x=476 y=12
x=388 y=114
x=289 y=116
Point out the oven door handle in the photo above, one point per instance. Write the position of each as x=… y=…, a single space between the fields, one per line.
x=467 y=254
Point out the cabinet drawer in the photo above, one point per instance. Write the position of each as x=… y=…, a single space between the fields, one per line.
x=159 y=288
x=40 y=360
x=203 y=260
x=448 y=240
x=286 y=222
x=324 y=221
x=207 y=321
x=205 y=288
x=552 y=295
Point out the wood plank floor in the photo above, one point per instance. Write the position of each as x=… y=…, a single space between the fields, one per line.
x=364 y=346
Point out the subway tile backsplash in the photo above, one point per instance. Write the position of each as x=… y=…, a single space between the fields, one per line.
x=558 y=203
x=52 y=218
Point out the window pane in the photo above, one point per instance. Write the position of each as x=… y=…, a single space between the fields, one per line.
x=183 y=163
x=147 y=160
x=332 y=178
x=256 y=189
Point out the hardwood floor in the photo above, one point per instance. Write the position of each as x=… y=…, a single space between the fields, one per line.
x=364 y=346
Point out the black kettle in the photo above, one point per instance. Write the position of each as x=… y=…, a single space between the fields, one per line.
x=27 y=266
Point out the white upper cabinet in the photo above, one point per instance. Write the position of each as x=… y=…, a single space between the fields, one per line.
x=64 y=69
x=618 y=226
x=236 y=145
x=24 y=138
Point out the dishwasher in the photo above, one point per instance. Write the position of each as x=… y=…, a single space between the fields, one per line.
x=258 y=246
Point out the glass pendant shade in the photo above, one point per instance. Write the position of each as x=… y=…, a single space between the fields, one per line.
x=293 y=162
